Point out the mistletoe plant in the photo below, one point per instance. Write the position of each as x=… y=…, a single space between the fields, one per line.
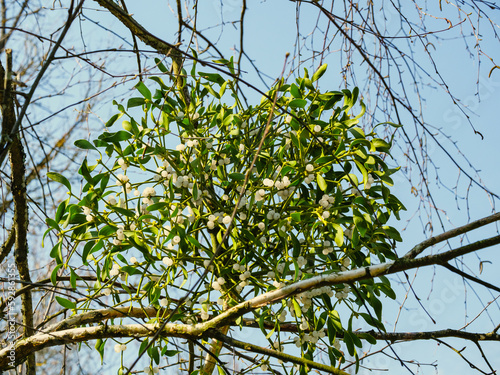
x=206 y=214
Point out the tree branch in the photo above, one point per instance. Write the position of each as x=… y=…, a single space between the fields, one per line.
x=470 y=277
x=7 y=245
x=18 y=188
x=40 y=341
x=276 y=354
x=388 y=336
x=101 y=315
x=210 y=327
x=402 y=264
x=450 y=234
x=61 y=333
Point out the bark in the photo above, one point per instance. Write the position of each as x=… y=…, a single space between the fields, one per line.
x=18 y=189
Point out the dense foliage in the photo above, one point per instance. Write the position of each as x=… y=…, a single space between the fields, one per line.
x=201 y=202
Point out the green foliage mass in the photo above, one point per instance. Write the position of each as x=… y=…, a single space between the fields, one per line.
x=298 y=185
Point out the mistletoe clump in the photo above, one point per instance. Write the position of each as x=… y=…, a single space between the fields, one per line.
x=202 y=202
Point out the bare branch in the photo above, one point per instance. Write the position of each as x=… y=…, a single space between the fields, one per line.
x=450 y=234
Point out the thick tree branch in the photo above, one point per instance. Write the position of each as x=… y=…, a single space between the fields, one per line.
x=402 y=264
x=44 y=340
x=137 y=29
x=450 y=234
x=101 y=315
x=18 y=189
x=62 y=333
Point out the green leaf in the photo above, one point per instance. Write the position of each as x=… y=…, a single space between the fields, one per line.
x=297 y=269
x=86 y=251
x=297 y=309
x=130 y=270
x=61 y=209
x=271 y=332
x=135 y=102
x=237 y=176
x=321 y=182
x=357 y=132
x=223 y=89
x=52 y=224
x=162 y=68
x=360 y=223
x=169 y=353
x=65 y=303
x=113 y=119
x=228 y=63
x=339 y=235
x=373 y=322
x=392 y=233
x=99 y=346
x=317 y=75
x=84 y=144
x=143 y=346
x=368 y=337
x=56 y=254
x=325 y=160
x=298 y=103
x=261 y=324
x=211 y=90
x=296 y=217
x=349 y=343
x=377 y=306
x=141 y=87
x=195 y=191
x=212 y=77
x=59 y=178
x=119 y=136
x=85 y=172
x=194 y=242
x=362 y=169
x=335 y=319
x=386 y=179
x=107 y=231
x=387 y=290
x=294 y=90
x=130 y=126
x=379 y=144
x=72 y=278
x=53 y=275
x=296 y=245
x=157 y=206
x=332 y=332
